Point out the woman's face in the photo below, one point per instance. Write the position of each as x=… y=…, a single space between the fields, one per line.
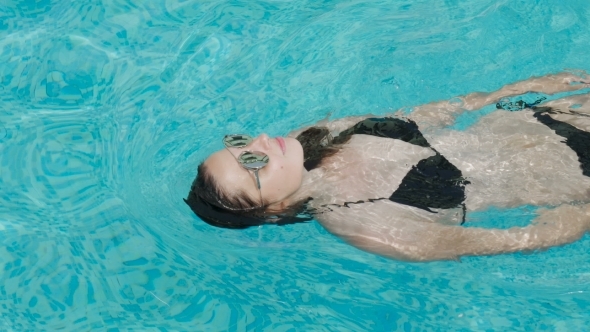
x=279 y=179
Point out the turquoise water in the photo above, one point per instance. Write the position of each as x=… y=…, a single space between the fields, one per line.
x=107 y=107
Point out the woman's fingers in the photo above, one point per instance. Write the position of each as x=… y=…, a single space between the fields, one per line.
x=575 y=78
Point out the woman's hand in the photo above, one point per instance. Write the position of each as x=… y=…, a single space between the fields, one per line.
x=550 y=84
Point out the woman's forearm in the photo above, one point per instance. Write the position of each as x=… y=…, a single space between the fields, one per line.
x=549 y=84
x=433 y=241
x=556 y=227
x=443 y=113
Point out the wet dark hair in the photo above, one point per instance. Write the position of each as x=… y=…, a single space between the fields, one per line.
x=238 y=211
x=217 y=208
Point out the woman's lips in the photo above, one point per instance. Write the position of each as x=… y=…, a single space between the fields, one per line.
x=282 y=144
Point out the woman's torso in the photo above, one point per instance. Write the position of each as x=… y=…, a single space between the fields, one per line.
x=508 y=158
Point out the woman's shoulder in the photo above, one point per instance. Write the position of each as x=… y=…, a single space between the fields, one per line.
x=334 y=126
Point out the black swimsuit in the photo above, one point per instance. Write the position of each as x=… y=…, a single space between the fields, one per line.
x=433 y=183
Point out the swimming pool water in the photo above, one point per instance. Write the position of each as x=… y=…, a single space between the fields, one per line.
x=107 y=107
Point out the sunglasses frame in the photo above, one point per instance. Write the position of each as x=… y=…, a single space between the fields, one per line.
x=244 y=165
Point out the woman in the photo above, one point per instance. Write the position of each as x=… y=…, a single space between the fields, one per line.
x=400 y=187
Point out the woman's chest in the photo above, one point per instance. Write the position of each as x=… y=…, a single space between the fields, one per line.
x=368 y=167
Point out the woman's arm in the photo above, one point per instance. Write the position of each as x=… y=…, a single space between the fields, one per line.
x=443 y=113
x=413 y=240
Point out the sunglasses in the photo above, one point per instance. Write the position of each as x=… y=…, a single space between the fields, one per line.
x=250 y=160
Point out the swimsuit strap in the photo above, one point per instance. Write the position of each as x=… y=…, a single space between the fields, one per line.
x=388 y=127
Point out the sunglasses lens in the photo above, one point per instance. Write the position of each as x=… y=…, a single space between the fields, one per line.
x=237 y=141
x=253 y=160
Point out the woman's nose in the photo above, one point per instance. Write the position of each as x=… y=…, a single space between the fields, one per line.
x=261 y=142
